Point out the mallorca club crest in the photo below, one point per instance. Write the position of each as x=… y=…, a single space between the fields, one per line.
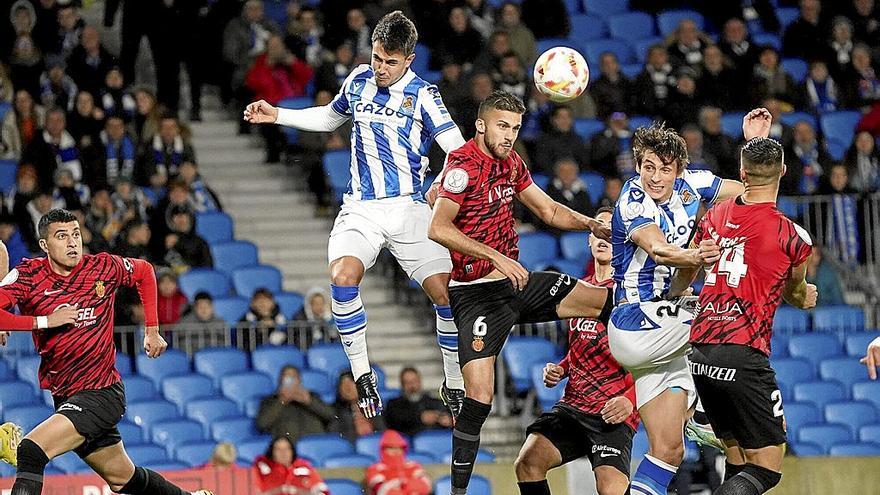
x=514 y=173
x=99 y=288
x=477 y=345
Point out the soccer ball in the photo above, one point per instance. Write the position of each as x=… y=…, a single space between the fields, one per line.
x=561 y=73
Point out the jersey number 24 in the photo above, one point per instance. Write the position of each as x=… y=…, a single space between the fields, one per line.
x=732 y=263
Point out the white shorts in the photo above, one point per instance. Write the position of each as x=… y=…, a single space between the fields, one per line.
x=650 y=340
x=363 y=228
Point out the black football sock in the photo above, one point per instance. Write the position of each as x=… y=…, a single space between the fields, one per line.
x=466 y=442
x=731 y=470
x=752 y=480
x=534 y=488
x=147 y=482
x=31 y=465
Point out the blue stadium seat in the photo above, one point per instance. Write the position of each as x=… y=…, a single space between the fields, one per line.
x=863 y=449
x=242 y=387
x=819 y=393
x=329 y=358
x=183 y=389
x=323 y=446
x=838 y=319
x=541 y=180
x=206 y=411
x=276 y=10
x=296 y=102
x=195 y=454
x=162 y=467
x=573 y=7
x=8 y=171
x=231 y=309
x=870 y=433
x=214 y=226
x=668 y=21
x=389 y=394
x=562 y=265
x=631 y=26
x=252 y=407
x=251 y=449
x=290 y=303
x=632 y=71
x=70 y=463
x=172 y=434
x=234 y=254
x=789 y=320
x=574 y=246
x=148 y=413
x=343 y=486
x=171 y=362
x=595 y=185
x=845 y=370
x=587 y=128
x=637 y=121
x=18 y=346
x=434 y=442
x=27 y=416
x=537 y=247
x=840 y=126
x=797 y=68
x=606 y=8
x=779 y=346
x=767 y=39
x=217 y=362
x=547 y=397
x=27 y=370
x=131 y=433
x=793 y=370
x=368 y=445
x=15 y=393
x=593 y=51
x=483 y=456
x=798 y=414
x=423 y=458
x=806 y=449
x=233 y=430
x=867 y=391
x=214 y=282
x=247 y=280
x=423 y=57
x=337 y=163
x=587 y=27
x=7 y=471
x=270 y=359
x=854 y=414
x=786 y=16
x=547 y=43
x=792 y=118
x=731 y=124
x=641 y=47
x=824 y=435
x=479 y=485
x=521 y=353
x=143 y=454
x=5 y=370
x=123 y=364
x=349 y=460
x=139 y=388
x=318 y=382
x=836 y=149
x=814 y=347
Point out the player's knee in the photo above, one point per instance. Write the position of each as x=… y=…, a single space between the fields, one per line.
x=480 y=393
x=606 y=485
x=344 y=277
x=31 y=457
x=528 y=467
x=670 y=454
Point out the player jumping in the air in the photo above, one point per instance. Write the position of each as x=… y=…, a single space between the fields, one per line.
x=763 y=260
x=66 y=300
x=490 y=291
x=648 y=335
x=596 y=415
x=396 y=115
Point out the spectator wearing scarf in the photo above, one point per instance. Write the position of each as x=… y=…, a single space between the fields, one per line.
x=53 y=149
x=115 y=99
x=169 y=149
x=120 y=151
x=820 y=90
x=863 y=163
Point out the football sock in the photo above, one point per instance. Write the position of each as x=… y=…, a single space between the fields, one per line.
x=534 y=488
x=751 y=480
x=31 y=465
x=652 y=477
x=147 y=482
x=731 y=470
x=351 y=322
x=466 y=442
x=447 y=339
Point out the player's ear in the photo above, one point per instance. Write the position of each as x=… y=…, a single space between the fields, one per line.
x=44 y=246
x=409 y=60
x=481 y=126
x=784 y=169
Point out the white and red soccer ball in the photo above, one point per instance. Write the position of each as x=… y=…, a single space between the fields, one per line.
x=561 y=73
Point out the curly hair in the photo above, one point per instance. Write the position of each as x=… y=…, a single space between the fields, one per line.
x=396 y=33
x=663 y=141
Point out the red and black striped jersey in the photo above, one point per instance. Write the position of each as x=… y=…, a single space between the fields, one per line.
x=759 y=248
x=80 y=356
x=483 y=187
x=594 y=376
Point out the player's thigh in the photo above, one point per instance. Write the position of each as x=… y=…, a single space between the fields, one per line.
x=664 y=417
x=537 y=456
x=584 y=301
x=56 y=435
x=112 y=464
x=611 y=452
x=539 y=300
x=484 y=317
x=436 y=286
x=557 y=438
x=610 y=480
x=649 y=333
x=769 y=457
x=417 y=255
x=355 y=234
x=672 y=376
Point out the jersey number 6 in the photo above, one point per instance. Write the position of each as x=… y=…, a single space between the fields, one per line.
x=480 y=327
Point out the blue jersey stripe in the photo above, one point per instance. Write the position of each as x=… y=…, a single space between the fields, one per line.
x=367 y=191
x=415 y=159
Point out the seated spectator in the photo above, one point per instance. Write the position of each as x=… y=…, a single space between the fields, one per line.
x=135 y=240
x=770 y=80
x=481 y=15
x=19 y=195
x=742 y=53
x=718 y=144
x=41 y=204
x=836 y=181
x=652 y=87
x=683 y=104
x=72 y=194
x=147 y=115
x=171 y=300
x=169 y=148
x=490 y=59
x=331 y=73
x=863 y=162
x=700 y=158
x=568 y=189
x=686 y=45
x=350 y=421
x=394 y=474
x=717 y=86
x=201 y=318
x=130 y=200
x=102 y=218
x=89 y=62
x=95 y=243
x=265 y=318
x=279 y=470
x=114 y=98
x=314 y=322
x=840 y=48
x=292 y=411
x=202 y=197
x=827 y=279
x=560 y=142
x=462 y=44
x=522 y=40
x=358 y=34
x=806 y=36
x=820 y=92
x=613 y=186
x=21 y=124
x=86 y=121
x=453 y=87
x=863 y=85
x=223 y=456
x=779 y=130
x=304 y=34
x=245 y=38
x=511 y=76
x=26 y=65
x=865 y=26
x=415 y=410
x=71 y=24
x=611 y=90
x=185 y=248
x=806 y=163
x=178 y=198
x=119 y=151
x=57 y=89
x=52 y=149
x=12 y=239
x=481 y=87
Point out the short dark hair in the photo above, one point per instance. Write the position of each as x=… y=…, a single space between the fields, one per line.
x=762 y=160
x=262 y=291
x=502 y=100
x=396 y=33
x=663 y=141
x=58 y=215
x=604 y=209
x=203 y=296
x=279 y=438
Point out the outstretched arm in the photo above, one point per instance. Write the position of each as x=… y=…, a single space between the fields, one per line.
x=650 y=239
x=144 y=279
x=315 y=119
x=560 y=216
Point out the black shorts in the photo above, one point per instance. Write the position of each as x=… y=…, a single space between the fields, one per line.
x=94 y=414
x=739 y=393
x=577 y=434
x=485 y=312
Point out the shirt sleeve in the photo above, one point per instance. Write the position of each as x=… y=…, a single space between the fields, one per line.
x=458 y=181
x=799 y=245
x=12 y=290
x=700 y=229
x=133 y=272
x=435 y=116
x=636 y=210
x=341 y=103
x=524 y=178
x=707 y=184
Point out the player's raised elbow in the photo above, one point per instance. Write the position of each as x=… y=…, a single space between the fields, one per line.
x=435 y=232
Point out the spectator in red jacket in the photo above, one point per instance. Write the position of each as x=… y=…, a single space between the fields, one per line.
x=171 y=300
x=280 y=471
x=393 y=474
x=275 y=75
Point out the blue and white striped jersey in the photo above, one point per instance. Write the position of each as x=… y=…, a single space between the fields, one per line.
x=636 y=275
x=392 y=131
